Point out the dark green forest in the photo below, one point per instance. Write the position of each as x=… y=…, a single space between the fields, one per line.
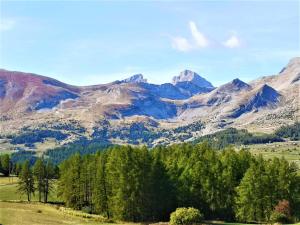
x=290 y=131
x=137 y=184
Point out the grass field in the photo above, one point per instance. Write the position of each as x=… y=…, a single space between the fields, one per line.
x=22 y=213
x=289 y=150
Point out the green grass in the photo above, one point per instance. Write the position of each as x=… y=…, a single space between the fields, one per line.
x=289 y=150
x=17 y=213
x=24 y=213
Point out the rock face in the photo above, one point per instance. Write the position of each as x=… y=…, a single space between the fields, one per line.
x=166 y=90
x=266 y=96
x=190 y=83
x=188 y=76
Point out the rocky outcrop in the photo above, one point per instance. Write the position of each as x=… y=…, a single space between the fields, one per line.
x=137 y=78
x=188 y=76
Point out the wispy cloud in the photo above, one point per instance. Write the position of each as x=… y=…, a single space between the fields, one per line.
x=232 y=42
x=181 y=44
x=200 y=40
x=7 y=24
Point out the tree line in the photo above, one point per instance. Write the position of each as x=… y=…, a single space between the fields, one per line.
x=135 y=184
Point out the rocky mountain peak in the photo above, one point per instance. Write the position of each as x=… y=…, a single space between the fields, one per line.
x=233 y=86
x=268 y=92
x=137 y=78
x=192 y=77
x=240 y=84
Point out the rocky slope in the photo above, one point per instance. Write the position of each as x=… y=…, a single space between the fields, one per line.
x=187 y=107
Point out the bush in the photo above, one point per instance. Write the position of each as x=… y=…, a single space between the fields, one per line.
x=277 y=217
x=186 y=216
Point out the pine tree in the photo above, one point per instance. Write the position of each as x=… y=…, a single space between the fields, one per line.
x=26 y=181
x=101 y=188
x=39 y=175
x=70 y=182
x=5 y=164
x=49 y=175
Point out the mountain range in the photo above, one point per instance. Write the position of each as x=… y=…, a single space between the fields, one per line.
x=30 y=102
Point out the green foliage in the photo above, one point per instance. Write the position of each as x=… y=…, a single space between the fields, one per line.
x=289 y=131
x=278 y=217
x=263 y=185
x=59 y=154
x=186 y=216
x=69 y=182
x=44 y=172
x=135 y=184
x=5 y=164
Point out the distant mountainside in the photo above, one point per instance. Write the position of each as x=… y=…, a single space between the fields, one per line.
x=119 y=112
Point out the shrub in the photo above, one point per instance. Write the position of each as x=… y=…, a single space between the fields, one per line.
x=186 y=216
x=277 y=217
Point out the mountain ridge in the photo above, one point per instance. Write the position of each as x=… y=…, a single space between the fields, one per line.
x=29 y=100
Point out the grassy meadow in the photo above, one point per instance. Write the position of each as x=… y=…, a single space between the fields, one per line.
x=289 y=150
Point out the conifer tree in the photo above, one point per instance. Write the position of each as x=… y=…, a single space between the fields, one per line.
x=101 y=188
x=26 y=181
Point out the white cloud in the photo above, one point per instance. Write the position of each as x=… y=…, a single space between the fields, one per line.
x=232 y=42
x=181 y=44
x=200 y=39
x=6 y=24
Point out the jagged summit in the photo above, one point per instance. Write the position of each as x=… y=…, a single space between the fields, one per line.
x=268 y=93
x=234 y=86
x=192 y=77
x=137 y=78
x=239 y=83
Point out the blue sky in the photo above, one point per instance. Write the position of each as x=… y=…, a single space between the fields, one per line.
x=90 y=42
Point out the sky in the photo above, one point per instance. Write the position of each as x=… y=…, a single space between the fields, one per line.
x=93 y=42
